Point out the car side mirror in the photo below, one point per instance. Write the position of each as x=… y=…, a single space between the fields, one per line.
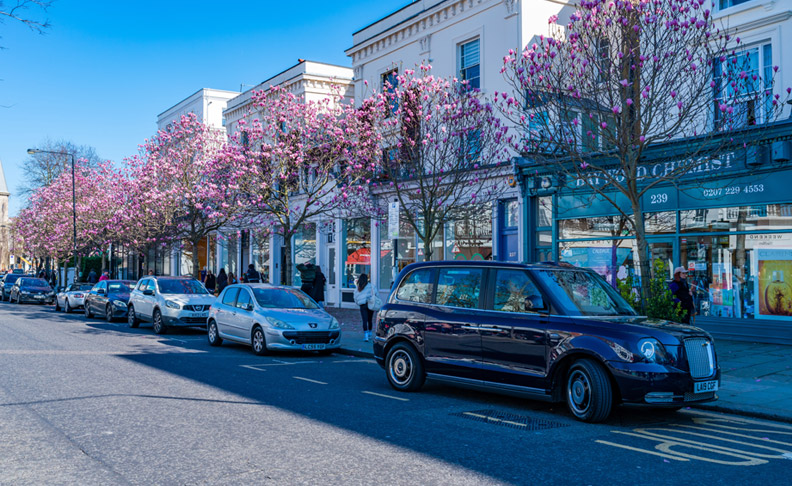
x=60 y=289
x=148 y=292
x=250 y=307
x=100 y=291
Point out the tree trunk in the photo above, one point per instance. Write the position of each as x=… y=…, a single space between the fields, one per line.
x=196 y=273
x=643 y=263
x=78 y=269
x=287 y=260
x=427 y=247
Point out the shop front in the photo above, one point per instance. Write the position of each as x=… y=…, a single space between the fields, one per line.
x=730 y=228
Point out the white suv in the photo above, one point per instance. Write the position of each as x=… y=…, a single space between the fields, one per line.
x=169 y=302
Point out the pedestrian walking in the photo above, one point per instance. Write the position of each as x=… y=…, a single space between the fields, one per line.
x=105 y=276
x=92 y=277
x=683 y=295
x=363 y=292
x=307 y=275
x=319 y=287
x=210 y=281
x=222 y=280
x=252 y=276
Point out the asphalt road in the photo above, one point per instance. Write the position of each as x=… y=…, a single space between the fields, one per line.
x=98 y=403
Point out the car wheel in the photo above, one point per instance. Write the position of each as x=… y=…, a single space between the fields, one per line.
x=259 y=341
x=404 y=368
x=109 y=313
x=88 y=312
x=67 y=308
x=132 y=320
x=588 y=391
x=212 y=335
x=57 y=305
x=159 y=326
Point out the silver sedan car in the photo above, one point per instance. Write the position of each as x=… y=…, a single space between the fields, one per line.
x=269 y=317
x=72 y=297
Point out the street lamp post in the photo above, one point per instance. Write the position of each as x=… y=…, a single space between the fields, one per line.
x=74 y=204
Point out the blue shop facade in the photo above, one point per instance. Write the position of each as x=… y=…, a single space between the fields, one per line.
x=728 y=221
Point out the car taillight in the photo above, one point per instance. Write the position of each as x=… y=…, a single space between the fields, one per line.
x=78 y=296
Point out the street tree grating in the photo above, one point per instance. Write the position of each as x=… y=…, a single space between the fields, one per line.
x=510 y=420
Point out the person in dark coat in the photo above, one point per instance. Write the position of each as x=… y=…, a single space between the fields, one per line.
x=210 y=281
x=319 y=287
x=92 y=277
x=682 y=293
x=252 y=276
x=307 y=275
x=222 y=280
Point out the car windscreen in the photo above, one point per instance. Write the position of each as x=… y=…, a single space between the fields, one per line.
x=283 y=299
x=118 y=287
x=181 y=286
x=33 y=282
x=581 y=293
x=11 y=278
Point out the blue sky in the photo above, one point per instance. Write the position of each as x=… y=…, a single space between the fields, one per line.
x=105 y=69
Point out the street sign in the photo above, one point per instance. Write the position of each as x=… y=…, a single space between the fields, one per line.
x=393 y=220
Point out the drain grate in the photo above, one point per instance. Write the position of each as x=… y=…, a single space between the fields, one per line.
x=510 y=420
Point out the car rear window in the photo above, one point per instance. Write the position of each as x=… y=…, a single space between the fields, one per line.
x=459 y=287
x=417 y=286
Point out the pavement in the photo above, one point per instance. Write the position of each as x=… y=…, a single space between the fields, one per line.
x=756 y=378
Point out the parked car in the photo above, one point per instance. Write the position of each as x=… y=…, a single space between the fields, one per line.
x=547 y=331
x=169 y=302
x=8 y=283
x=268 y=317
x=72 y=297
x=109 y=298
x=29 y=289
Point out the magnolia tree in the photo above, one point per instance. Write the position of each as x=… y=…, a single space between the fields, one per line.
x=443 y=148
x=182 y=188
x=301 y=162
x=46 y=225
x=627 y=75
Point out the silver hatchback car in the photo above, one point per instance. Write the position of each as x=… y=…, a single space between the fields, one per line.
x=269 y=317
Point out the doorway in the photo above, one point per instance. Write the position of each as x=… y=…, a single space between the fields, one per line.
x=663 y=249
x=331 y=292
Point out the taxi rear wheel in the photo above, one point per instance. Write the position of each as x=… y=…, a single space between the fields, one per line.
x=404 y=368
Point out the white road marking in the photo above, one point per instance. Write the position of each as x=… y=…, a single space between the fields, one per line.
x=252 y=367
x=354 y=361
x=622 y=446
x=386 y=396
x=309 y=380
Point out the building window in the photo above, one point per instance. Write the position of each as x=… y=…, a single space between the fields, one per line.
x=723 y=4
x=261 y=256
x=471 y=238
x=358 y=250
x=739 y=82
x=303 y=249
x=389 y=83
x=470 y=64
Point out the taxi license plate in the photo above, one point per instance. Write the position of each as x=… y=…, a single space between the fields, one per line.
x=705 y=386
x=200 y=314
x=38 y=296
x=313 y=347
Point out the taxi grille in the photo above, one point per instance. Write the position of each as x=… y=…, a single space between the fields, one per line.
x=694 y=397
x=311 y=337
x=196 y=308
x=700 y=356
x=194 y=320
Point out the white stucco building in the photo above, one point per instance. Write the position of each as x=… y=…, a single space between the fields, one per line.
x=207 y=104
x=5 y=251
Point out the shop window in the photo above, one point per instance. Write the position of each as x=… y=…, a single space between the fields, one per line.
x=770 y=217
x=660 y=223
x=613 y=259
x=471 y=239
x=405 y=254
x=303 y=249
x=598 y=227
x=261 y=255
x=358 y=250
x=545 y=212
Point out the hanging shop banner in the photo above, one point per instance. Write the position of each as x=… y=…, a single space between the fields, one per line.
x=772 y=288
x=393 y=220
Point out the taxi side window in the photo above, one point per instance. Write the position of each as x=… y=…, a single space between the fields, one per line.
x=459 y=287
x=516 y=292
x=417 y=287
x=142 y=284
